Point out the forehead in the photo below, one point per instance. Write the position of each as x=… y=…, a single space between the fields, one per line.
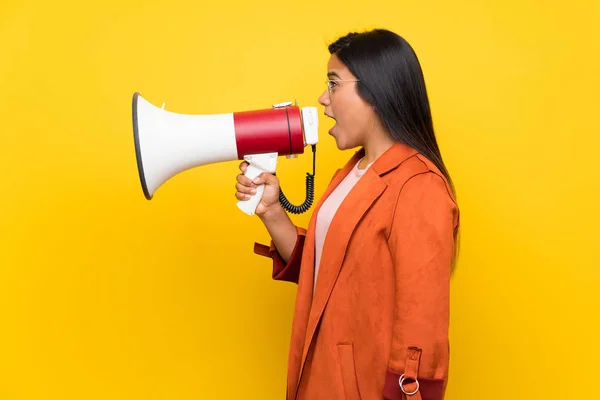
x=336 y=66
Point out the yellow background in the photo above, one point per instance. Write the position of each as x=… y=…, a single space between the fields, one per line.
x=105 y=295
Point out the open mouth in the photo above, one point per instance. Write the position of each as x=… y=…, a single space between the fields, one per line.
x=331 y=130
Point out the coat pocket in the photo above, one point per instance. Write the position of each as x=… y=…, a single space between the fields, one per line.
x=348 y=370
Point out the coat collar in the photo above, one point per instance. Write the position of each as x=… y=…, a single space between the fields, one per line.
x=390 y=159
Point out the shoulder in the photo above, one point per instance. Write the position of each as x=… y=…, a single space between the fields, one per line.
x=417 y=173
x=424 y=207
x=421 y=189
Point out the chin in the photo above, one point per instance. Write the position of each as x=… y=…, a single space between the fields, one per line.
x=340 y=145
x=338 y=142
x=344 y=145
x=343 y=140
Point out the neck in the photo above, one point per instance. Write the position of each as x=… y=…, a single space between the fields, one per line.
x=374 y=149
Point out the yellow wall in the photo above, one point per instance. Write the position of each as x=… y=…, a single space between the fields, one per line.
x=105 y=295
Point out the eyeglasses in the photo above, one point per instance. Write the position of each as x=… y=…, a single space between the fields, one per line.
x=331 y=83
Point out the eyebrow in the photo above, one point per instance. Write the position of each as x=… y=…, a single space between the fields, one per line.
x=331 y=73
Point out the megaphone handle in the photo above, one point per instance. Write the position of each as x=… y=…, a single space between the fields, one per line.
x=258 y=163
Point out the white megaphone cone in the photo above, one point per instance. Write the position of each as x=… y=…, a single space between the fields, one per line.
x=167 y=143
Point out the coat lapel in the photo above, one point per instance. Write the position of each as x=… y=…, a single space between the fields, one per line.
x=349 y=213
x=309 y=251
x=304 y=297
x=335 y=181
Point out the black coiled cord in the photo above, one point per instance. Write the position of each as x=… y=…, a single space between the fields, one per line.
x=310 y=191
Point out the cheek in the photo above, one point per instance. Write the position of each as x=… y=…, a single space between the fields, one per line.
x=346 y=110
x=356 y=117
x=352 y=116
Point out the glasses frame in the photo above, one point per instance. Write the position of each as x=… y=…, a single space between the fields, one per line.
x=328 y=82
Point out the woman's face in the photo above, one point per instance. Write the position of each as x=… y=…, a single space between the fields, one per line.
x=354 y=117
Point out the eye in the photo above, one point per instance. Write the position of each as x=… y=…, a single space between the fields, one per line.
x=332 y=84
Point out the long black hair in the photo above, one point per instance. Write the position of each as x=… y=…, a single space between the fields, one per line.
x=392 y=81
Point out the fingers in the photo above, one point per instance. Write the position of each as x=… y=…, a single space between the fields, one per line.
x=243 y=191
x=246 y=187
x=245 y=181
x=242 y=196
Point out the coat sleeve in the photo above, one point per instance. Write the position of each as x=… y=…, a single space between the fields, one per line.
x=421 y=243
x=284 y=271
x=289 y=271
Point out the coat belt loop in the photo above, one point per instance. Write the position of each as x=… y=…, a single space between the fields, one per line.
x=409 y=384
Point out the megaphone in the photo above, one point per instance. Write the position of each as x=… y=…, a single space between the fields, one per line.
x=167 y=143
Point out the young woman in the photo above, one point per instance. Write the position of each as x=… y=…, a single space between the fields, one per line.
x=373 y=266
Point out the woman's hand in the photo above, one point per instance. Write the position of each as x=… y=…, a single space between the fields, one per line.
x=246 y=188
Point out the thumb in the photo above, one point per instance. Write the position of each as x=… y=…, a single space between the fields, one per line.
x=266 y=178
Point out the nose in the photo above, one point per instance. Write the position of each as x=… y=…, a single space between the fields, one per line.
x=324 y=98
